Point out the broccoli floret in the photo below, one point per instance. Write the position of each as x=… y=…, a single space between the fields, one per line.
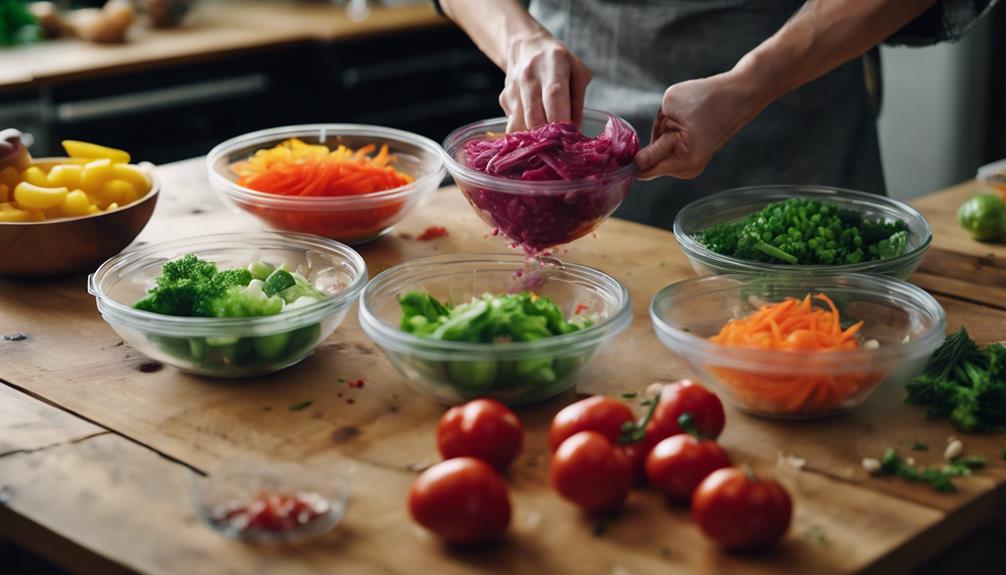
x=245 y=301
x=190 y=286
x=181 y=287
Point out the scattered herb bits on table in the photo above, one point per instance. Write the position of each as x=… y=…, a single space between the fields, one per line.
x=191 y=287
x=807 y=232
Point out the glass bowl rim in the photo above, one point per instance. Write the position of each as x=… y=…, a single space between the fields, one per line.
x=393 y=337
x=693 y=247
x=496 y=184
x=238 y=193
x=163 y=324
x=775 y=361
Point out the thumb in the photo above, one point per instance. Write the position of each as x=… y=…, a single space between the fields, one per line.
x=656 y=152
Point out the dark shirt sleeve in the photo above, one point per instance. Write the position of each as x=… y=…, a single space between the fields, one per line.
x=947 y=20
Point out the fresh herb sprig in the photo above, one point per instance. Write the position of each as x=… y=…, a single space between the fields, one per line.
x=965 y=383
x=939 y=478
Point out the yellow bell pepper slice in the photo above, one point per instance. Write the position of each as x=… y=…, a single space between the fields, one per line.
x=95 y=174
x=77 y=149
x=66 y=175
x=134 y=175
x=32 y=197
x=35 y=175
x=76 y=204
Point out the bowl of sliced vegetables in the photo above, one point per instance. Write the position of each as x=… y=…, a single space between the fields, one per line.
x=63 y=215
x=797 y=347
x=229 y=305
x=802 y=229
x=547 y=186
x=475 y=325
x=346 y=182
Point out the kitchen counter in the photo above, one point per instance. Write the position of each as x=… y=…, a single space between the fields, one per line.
x=95 y=454
x=212 y=30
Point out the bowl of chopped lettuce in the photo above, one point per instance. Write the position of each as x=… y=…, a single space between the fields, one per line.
x=802 y=229
x=229 y=305
x=483 y=325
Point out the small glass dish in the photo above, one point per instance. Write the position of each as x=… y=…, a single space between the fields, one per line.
x=349 y=219
x=906 y=323
x=242 y=498
x=511 y=372
x=230 y=346
x=538 y=214
x=733 y=205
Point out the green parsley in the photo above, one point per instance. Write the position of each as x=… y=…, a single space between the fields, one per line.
x=965 y=383
x=301 y=406
x=939 y=478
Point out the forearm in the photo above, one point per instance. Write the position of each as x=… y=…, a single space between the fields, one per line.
x=494 y=25
x=823 y=35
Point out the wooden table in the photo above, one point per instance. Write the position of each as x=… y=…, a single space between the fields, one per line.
x=212 y=30
x=95 y=455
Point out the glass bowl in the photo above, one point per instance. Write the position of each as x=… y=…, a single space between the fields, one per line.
x=536 y=214
x=230 y=347
x=732 y=205
x=348 y=219
x=509 y=372
x=263 y=501
x=905 y=321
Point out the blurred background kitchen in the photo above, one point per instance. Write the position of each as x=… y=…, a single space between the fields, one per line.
x=168 y=79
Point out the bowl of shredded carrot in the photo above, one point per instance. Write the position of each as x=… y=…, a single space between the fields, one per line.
x=794 y=346
x=347 y=182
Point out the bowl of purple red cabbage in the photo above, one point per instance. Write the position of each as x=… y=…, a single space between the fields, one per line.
x=547 y=186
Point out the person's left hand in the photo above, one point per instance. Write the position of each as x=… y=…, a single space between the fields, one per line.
x=696 y=119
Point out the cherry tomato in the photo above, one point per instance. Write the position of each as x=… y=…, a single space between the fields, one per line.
x=463 y=501
x=638 y=451
x=685 y=396
x=484 y=429
x=591 y=472
x=677 y=465
x=741 y=512
x=599 y=413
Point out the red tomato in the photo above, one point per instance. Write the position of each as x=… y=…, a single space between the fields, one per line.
x=682 y=397
x=599 y=413
x=740 y=511
x=638 y=451
x=463 y=501
x=591 y=472
x=484 y=429
x=679 y=463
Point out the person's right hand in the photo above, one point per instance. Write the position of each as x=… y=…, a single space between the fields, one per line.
x=545 y=82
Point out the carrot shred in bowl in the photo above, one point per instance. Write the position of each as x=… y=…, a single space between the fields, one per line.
x=295 y=168
x=794 y=325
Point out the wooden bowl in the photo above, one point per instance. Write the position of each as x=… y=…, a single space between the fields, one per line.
x=71 y=245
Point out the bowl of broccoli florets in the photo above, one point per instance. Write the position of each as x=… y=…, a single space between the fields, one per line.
x=229 y=305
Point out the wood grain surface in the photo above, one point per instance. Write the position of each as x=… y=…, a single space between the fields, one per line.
x=98 y=453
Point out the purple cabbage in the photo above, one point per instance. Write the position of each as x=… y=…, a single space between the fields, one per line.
x=538 y=220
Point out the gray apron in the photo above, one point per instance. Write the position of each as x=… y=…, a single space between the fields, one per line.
x=823 y=133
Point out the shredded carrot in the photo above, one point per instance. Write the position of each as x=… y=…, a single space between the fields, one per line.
x=295 y=168
x=794 y=326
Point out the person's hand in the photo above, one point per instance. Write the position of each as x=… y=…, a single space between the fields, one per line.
x=545 y=82
x=696 y=119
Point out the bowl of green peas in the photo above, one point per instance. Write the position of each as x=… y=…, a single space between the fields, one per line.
x=802 y=229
